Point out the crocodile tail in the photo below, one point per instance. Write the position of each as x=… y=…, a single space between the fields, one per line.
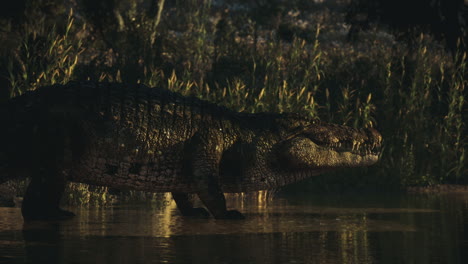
x=4 y=176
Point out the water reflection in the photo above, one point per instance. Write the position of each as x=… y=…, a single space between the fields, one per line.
x=301 y=229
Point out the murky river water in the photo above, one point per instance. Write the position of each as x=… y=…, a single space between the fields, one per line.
x=293 y=229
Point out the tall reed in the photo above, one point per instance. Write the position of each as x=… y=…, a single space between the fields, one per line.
x=415 y=95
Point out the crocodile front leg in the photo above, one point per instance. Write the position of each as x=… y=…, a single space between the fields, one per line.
x=185 y=206
x=206 y=152
x=214 y=200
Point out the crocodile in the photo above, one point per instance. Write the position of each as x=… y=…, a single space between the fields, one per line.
x=151 y=139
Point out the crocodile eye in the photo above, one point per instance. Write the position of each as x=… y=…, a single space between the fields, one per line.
x=298 y=129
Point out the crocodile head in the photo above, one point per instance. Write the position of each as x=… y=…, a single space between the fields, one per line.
x=321 y=147
x=318 y=147
x=287 y=148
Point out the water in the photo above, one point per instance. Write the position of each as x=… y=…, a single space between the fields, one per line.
x=294 y=229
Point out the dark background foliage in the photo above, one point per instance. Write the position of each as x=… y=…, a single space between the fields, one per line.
x=359 y=63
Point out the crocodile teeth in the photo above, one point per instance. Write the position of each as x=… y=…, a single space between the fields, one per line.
x=356 y=146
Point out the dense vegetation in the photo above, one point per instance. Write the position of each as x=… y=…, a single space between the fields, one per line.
x=278 y=56
x=445 y=20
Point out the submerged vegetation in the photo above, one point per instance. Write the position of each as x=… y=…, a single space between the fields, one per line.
x=276 y=56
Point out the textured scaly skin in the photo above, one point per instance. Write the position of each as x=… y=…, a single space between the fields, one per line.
x=150 y=139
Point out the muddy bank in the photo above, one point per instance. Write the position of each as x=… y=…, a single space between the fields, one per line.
x=440 y=188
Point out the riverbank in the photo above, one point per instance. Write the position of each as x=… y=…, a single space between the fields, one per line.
x=439 y=188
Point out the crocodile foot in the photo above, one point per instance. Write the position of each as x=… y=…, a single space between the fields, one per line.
x=232 y=215
x=197 y=213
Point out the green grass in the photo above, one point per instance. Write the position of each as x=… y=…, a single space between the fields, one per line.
x=415 y=96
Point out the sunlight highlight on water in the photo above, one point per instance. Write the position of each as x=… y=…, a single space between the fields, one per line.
x=299 y=229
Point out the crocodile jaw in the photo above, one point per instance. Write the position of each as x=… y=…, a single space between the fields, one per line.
x=303 y=153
